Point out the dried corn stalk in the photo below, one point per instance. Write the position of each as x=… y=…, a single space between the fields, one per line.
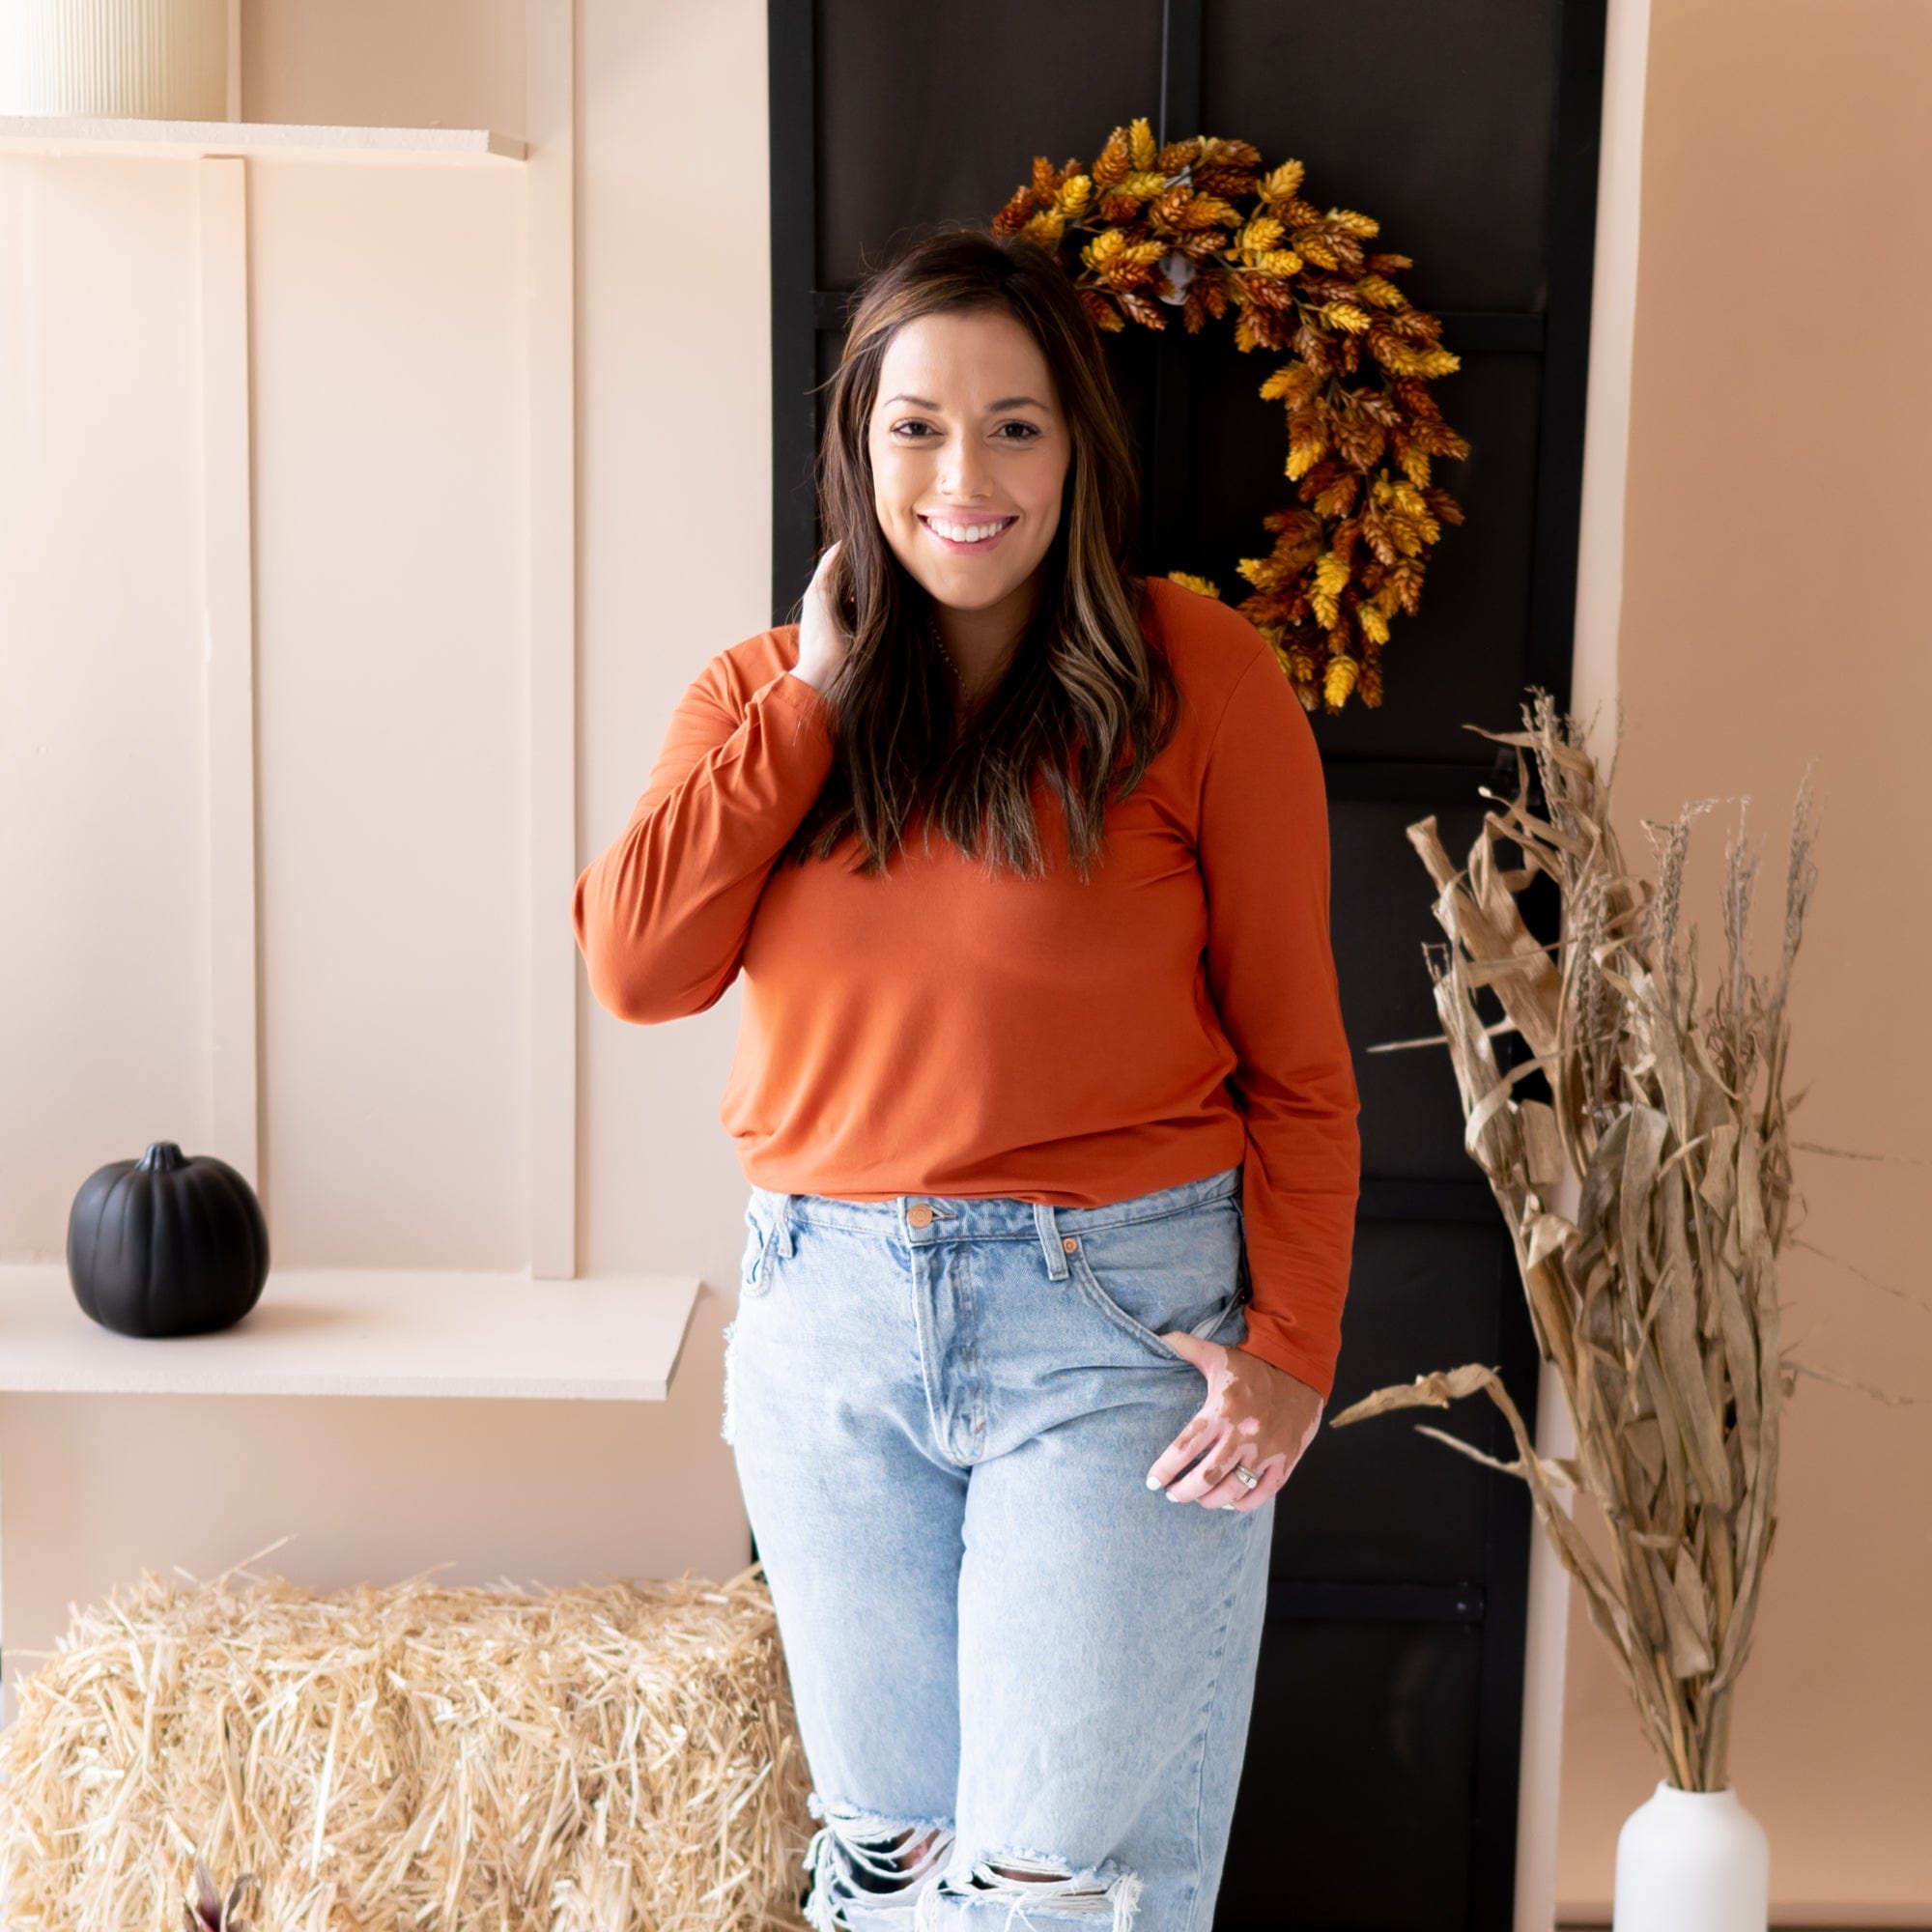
x=1657 y=1307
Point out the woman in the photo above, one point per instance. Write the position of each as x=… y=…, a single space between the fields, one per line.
x=1044 y=1093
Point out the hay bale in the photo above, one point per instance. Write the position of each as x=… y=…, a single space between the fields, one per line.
x=616 y=1757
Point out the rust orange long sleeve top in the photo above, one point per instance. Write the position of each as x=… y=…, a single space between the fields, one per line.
x=935 y=1030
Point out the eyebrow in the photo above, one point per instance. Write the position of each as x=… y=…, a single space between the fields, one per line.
x=1004 y=403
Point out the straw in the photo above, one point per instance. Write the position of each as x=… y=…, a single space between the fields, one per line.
x=608 y=1756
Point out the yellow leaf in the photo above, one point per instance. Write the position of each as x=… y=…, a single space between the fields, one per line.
x=1283 y=183
x=1302 y=460
x=1345 y=315
x=1292 y=385
x=1405 y=360
x=1190 y=581
x=1141 y=137
x=1206 y=211
x=1354 y=224
x=1335 y=500
x=1403 y=535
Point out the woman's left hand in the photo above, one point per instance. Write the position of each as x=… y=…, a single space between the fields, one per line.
x=1254 y=1413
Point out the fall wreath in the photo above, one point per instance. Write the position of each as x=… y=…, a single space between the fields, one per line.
x=1199 y=226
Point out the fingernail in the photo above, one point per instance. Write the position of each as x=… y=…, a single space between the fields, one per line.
x=1154 y=1482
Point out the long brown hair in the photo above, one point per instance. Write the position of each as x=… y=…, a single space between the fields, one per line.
x=1088 y=699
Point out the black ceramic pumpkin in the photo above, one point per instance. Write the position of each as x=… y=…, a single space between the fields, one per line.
x=167 y=1244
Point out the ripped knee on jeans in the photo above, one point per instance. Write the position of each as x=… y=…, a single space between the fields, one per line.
x=857 y=1852
x=1030 y=1887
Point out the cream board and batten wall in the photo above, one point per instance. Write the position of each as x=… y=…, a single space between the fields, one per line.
x=407 y=442
x=411 y=446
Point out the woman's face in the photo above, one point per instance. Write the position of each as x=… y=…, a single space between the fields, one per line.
x=967 y=433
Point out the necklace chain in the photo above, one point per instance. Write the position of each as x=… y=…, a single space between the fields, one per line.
x=948 y=655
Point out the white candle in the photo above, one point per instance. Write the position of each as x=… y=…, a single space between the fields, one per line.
x=164 y=60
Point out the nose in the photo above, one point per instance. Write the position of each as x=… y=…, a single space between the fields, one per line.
x=963 y=474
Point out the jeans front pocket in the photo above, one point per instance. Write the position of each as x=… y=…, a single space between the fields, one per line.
x=1181 y=1270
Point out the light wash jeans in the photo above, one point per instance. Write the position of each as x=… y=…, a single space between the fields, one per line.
x=943 y=1411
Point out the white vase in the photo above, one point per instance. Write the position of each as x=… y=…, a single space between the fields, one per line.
x=162 y=60
x=1691 y=1861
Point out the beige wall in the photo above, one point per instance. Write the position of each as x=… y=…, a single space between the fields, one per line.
x=1772 y=613
x=390 y=473
x=1779 y=404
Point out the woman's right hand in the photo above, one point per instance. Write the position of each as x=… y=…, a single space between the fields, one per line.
x=821 y=639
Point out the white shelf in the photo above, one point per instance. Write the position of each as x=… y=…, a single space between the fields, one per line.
x=94 y=134
x=357 y=1331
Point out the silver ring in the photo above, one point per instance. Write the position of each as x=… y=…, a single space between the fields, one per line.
x=1247 y=1474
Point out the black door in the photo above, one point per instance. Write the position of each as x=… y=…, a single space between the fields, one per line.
x=1381 y=1782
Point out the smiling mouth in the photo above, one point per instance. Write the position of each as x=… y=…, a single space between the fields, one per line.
x=955 y=545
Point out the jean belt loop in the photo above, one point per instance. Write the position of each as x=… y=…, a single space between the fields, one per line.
x=784 y=1224
x=1050 y=1244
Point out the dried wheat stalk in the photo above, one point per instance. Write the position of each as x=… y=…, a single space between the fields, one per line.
x=1657 y=1307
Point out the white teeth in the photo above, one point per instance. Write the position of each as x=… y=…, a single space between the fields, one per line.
x=967 y=532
